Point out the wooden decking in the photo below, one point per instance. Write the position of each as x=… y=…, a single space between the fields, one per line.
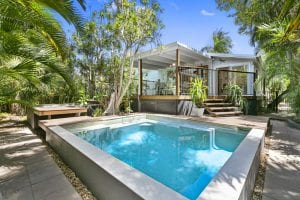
x=58 y=110
x=218 y=107
x=51 y=111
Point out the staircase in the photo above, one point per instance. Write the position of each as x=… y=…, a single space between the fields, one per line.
x=220 y=108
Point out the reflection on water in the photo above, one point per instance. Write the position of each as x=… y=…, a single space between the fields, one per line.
x=185 y=159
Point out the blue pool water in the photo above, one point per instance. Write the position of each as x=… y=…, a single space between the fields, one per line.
x=182 y=158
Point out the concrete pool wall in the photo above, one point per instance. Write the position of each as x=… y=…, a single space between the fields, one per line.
x=109 y=178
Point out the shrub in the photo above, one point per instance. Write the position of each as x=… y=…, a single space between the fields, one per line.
x=234 y=94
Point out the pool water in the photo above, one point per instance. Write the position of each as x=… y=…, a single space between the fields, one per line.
x=184 y=158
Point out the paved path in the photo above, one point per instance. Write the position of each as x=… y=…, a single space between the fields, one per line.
x=282 y=179
x=26 y=169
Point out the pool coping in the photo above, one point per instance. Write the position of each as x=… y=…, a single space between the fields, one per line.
x=229 y=183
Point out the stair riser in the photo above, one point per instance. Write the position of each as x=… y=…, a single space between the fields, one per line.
x=217 y=104
x=214 y=101
x=223 y=110
x=224 y=115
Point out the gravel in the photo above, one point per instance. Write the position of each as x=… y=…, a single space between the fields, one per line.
x=260 y=178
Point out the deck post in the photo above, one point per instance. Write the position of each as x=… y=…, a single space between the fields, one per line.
x=141 y=77
x=140 y=84
x=177 y=72
x=210 y=79
x=250 y=79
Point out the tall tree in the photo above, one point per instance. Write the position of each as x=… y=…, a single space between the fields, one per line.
x=222 y=43
x=90 y=48
x=131 y=24
x=274 y=30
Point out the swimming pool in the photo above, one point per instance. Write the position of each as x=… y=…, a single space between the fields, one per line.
x=184 y=158
x=141 y=157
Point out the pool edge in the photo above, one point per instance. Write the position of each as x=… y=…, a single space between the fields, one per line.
x=236 y=179
x=240 y=189
x=105 y=173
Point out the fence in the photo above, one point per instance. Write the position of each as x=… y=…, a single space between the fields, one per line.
x=223 y=78
x=167 y=86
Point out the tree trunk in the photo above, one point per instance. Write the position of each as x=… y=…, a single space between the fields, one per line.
x=119 y=92
x=279 y=98
x=16 y=107
x=111 y=110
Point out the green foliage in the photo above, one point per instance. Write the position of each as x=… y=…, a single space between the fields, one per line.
x=32 y=46
x=234 y=94
x=222 y=43
x=3 y=115
x=97 y=112
x=129 y=25
x=22 y=15
x=198 y=92
x=104 y=52
x=83 y=98
x=89 y=48
x=278 y=84
x=126 y=105
x=274 y=29
x=295 y=103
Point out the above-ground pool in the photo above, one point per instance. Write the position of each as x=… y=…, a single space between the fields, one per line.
x=153 y=157
x=182 y=157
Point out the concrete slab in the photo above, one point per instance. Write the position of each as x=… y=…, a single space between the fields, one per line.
x=27 y=171
x=283 y=165
x=42 y=171
x=16 y=194
x=54 y=188
x=247 y=121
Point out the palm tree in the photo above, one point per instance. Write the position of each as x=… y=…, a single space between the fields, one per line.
x=33 y=14
x=222 y=43
x=32 y=41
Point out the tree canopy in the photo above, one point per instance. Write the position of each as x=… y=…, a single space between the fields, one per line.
x=222 y=43
x=274 y=29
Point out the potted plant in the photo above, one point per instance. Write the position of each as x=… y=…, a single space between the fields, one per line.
x=198 y=94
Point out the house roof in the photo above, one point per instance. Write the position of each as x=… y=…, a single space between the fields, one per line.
x=230 y=60
x=232 y=56
x=165 y=56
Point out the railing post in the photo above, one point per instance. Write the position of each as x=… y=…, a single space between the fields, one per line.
x=254 y=79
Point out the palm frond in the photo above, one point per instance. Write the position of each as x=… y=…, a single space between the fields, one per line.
x=16 y=16
x=67 y=10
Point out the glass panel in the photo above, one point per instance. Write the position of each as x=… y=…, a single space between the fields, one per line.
x=187 y=74
x=240 y=78
x=159 y=81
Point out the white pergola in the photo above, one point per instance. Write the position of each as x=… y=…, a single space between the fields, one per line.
x=179 y=55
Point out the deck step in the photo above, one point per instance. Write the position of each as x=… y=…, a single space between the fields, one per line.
x=214 y=100
x=224 y=114
x=219 y=109
x=217 y=104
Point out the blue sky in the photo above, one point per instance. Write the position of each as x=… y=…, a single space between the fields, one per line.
x=192 y=22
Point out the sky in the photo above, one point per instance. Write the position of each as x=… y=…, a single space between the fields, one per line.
x=191 y=22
